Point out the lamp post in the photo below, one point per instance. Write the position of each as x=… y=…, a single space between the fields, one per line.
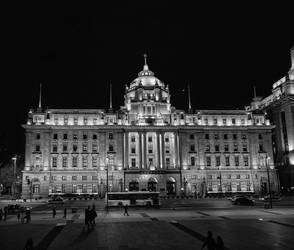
x=268 y=180
x=14 y=172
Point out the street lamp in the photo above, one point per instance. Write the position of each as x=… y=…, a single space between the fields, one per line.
x=268 y=180
x=14 y=173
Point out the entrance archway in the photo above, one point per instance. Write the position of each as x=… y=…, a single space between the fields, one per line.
x=152 y=184
x=134 y=185
x=171 y=186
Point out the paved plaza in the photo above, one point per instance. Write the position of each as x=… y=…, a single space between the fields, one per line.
x=240 y=228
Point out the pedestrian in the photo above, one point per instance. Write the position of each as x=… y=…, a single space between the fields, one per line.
x=28 y=215
x=219 y=243
x=126 y=210
x=93 y=215
x=209 y=242
x=54 y=212
x=1 y=214
x=87 y=217
x=64 y=213
x=18 y=215
x=29 y=244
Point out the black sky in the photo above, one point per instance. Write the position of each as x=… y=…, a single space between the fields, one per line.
x=76 y=50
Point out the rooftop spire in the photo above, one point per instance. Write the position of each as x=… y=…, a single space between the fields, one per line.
x=145 y=62
x=110 y=97
x=190 y=109
x=254 y=91
x=40 y=97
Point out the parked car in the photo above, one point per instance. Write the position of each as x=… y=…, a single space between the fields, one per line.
x=233 y=198
x=243 y=201
x=56 y=200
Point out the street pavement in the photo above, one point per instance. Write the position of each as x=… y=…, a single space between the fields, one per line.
x=240 y=228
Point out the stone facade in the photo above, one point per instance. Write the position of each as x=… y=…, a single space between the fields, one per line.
x=280 y=110
x=147 y=145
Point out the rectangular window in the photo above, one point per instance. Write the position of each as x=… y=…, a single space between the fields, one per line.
x=75 y=121
x=214 y=121
x=94 y=148
x=216 y=136
x=74 y=178
x=133 y=150
x=207 y=136
x=245 y=148
x=244 y=137
x=227 y=161
x=133 y=138
x=54 y=162
x=84 y=178
x=85 y=147
x=260 y=136
x=64 y=162
x=191 y=136
x=248 y=186
x=63 y=178
x=64 y=136
x=234 y=136
x=217 y=161
x=209 y=186
x=74 y=147
x=133 y=162
x=38 y=136
x=247 y=176
x=85 y=121
x=192 y=148
x=167 y=139
x=150 y=160
x=238 y=187
x=94 y=137
x=85 y=161
x=235 y=147
x=246 y=161
x=54 y=148
x=224 y=121
x=37 y=148
x=192 y=161
x=208 y=161
x=238 y=176
x=167 y=151
x=75 y=137
x=62 y=188
x=243 y=121
x=75 y=161
x=65 y=120
x=236 y=160
x=150 y=151
x=233 y=121
x=260 y=148
x=229 y=176
x=110 y=148
x=94 y=178
x=206 y=121
x=94 y=161
x=167 y=162
x=226 y=147
x=207 y=148
x=54 y=178
x=110 y=136
x=64 y=148
x=149 y=138
x=85 y=136
x=225 y=136
x=216 y=148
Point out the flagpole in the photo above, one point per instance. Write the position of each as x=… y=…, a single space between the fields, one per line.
x=189 y=98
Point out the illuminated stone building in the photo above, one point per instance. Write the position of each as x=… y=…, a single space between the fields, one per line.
x=147 y=145
x=280 y=109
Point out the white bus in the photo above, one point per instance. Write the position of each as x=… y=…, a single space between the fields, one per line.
x=136 y=198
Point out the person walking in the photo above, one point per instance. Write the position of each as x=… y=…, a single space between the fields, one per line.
x=29 y=244
x=219 y=243
x=54 y=212
x=126 y=210
x=93 y=215
x=87 y=217
x=1 y=214
x=64 y=212
x=209 y=242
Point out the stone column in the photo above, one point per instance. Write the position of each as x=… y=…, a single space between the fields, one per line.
x=145 y=150
x=126 y=141
x=140 y=149
x=176 y=149
x=123 y=150
x=158 y=149
x=162 y=150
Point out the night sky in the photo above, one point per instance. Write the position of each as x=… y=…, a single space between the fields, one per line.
x=77 y=50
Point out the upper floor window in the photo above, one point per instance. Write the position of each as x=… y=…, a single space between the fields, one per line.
x=216 y=147
x=207 y=148
x=235 y=147
x=217 y=161
x=133 y=138
x=149 y=138
x=38 y=136
x=208 y=161
x=226 y=147
x=110 y=136
x=260 y=136
x=206 y=121
x=237 y=161
x=234 y=136
x=54 y=162
x=85 y=136
x=192 y=148
x=167 y=139
x=37 y=148
x=85 y=121
x=133 y=162
x=260 y=148
x=227 y=160
x=191 y=136
x=233 y=121
x=133 y=150
x=243 y=121
x=216 y=136
x=64 y=136
x=64 y=147
x=94 y=136
x=110 y=148
x=94 y=147
x=225 y=136
x=54 y=148
x=192 y=161
x=74 y=147
x=55 y=136
x=207 y=136
x=65 y=120
x=85 y=147
x=75 y=161
x=246 y=160
x=224 y=121
x=245 y=149
x=75 y=121
x=64 y=162
x=75 y=136
x=214 y=121
x=244 y=137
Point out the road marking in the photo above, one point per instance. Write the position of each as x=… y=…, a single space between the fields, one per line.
x=224 y=217
x=199 y=212
x=270 y=212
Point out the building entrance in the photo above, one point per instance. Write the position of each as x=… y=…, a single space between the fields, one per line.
x=171 y=186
